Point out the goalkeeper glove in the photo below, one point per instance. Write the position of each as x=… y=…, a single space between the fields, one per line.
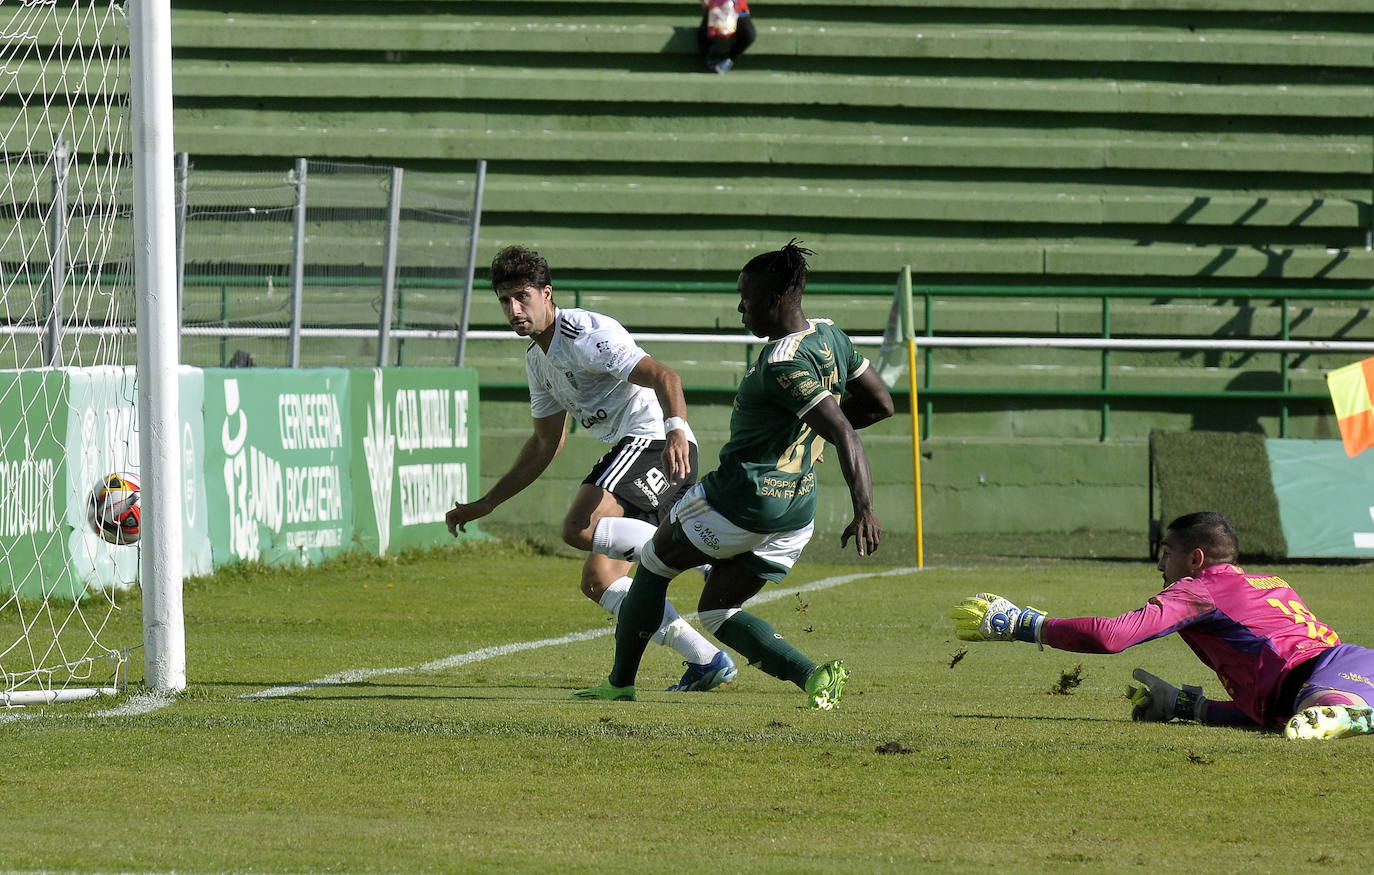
x=988 y=617
x=1159 y=702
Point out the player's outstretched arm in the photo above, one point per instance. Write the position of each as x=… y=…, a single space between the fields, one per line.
x=667 y=385
x=828 y=420
x=534 y=457
x=989 y=617
x=866 y=400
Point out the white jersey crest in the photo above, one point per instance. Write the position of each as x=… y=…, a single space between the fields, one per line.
x=586 y=372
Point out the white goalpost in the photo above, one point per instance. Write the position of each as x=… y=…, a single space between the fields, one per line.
x=88 y=348
x=155 y=280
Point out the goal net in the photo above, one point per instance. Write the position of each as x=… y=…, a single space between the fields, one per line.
x=69 y=615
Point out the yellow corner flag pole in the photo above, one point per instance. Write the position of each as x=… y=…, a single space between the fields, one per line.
x=909 y=330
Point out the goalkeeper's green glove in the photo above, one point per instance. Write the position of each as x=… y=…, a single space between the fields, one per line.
x=988 y=617
x=1159 y=702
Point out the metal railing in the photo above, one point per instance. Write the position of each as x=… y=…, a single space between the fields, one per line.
x=1105 y=393
x=1281 y=301
x=928 y=340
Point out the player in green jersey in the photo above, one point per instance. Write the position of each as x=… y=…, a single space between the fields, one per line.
x=751 y=517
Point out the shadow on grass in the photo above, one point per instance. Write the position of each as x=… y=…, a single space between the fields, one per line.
x=1044 y=718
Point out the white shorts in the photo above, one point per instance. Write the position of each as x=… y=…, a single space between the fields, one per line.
x=770 y=555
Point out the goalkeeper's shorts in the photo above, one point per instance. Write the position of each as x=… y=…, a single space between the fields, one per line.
x=1343 y=675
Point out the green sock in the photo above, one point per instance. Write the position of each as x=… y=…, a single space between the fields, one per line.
x=765 y=648
x=640 y=616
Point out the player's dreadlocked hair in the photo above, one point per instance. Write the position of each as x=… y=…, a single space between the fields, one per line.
x=1208 y=530
x=783 y=271
x=518 y=266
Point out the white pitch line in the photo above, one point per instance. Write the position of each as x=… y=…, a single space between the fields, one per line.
x=355 y=675
x=138 y=704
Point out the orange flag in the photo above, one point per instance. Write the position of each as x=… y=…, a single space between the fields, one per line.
x=1350 y=392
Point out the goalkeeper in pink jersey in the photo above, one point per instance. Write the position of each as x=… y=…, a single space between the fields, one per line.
x=1281 y=666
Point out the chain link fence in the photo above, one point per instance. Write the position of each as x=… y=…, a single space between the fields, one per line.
x=325 y=263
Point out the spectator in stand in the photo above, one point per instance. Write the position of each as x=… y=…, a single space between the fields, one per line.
x=726 y=32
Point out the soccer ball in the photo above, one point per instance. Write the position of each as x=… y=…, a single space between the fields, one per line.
x=113 y=508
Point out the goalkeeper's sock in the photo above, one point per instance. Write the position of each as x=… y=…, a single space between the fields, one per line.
x=621 y=537
x=764 y=647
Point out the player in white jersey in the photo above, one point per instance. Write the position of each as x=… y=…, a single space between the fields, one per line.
x=586 y=364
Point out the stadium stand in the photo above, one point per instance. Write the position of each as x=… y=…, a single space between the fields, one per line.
x=1207 y=149
x=1015 y=140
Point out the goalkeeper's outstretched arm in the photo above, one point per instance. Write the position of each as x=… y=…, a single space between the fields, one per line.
x=990 y=617
x=1156 y=700
x=983 y=617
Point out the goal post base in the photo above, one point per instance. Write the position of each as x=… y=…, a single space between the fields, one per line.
x=116 y=684
x=22 y=698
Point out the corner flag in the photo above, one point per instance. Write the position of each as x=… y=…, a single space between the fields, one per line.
x=892 y=359
x=1350 y=393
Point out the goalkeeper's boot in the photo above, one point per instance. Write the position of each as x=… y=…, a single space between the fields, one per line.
x=1331 y=721
x=825 y=685
x=701 y=677
x=604 y=690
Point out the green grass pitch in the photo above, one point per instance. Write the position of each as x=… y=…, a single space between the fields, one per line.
x=427 y=743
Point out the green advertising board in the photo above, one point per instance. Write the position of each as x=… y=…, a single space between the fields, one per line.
x=277 y=464
x=1326 y=499
x=101 y=439
x=300 y=465
x=415 y=453
x=33 y=479
x=195 y=523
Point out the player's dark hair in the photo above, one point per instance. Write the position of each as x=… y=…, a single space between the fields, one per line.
x=782 y=271
x=1209 y=531
x=518 y=266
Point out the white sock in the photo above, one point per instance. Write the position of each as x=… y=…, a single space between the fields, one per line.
x=678 y=634
x=621 y=537
x=714 y=619
x=674 y=631
x=614 y=595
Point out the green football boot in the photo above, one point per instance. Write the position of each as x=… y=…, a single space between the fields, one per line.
x=605 y=691
x=1330 y=721
x=825 y=685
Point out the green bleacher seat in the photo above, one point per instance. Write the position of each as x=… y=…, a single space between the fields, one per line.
x=1171 y=141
